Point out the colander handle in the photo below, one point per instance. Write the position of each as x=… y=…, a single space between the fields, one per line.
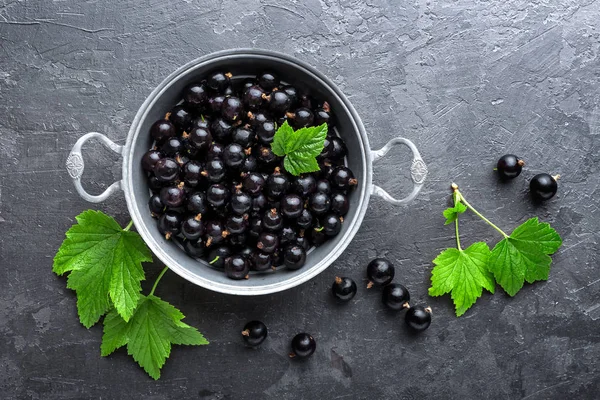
x=418 y=171
x=75 y=166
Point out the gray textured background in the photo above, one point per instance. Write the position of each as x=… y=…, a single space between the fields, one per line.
x=466 y=80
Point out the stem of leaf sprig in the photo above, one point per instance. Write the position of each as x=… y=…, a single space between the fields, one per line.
x=458 y=196
x=129 y=225
x=456 y=201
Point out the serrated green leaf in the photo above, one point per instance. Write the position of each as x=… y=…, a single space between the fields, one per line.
x=104 y=262
x=464 y=274
x=524 y=255
x=149 y=334
x=297 y=166
x=451 y=214
x=308 y=141
x=282 y=138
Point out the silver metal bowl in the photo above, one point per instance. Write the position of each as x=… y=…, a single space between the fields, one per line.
x=244 y=62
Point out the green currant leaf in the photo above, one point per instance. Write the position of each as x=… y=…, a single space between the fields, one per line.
x=464 y=274
x=149 y=334
x=300 y=147
x=105 y=267
x=281 y=140
x=451 y=214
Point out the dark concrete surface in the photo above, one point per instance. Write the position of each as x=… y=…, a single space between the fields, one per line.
x=467 y=80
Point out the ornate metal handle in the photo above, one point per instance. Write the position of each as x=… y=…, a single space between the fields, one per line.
x=75 y=166
x=418 y=171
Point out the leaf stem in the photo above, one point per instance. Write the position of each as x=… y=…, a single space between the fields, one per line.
x=165 y=269
x=129 y=225
x=456 y=198
x=470 y=207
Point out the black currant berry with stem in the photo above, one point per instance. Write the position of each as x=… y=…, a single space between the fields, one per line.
x=236 y=267
x=169 y=224
x=342 y=178
x=323 y=116
x=279 y=101
x=196 y=203
x=303 y=345
x=268 y=81
x=272 y=220
x=196 y=95
x=254 y=333
x=234 y=155
x=294 y=257
x=192 y=228
x=200 y=138
x=509 y=166
x=219 y=81
x=395 y=296
x=267 y=242
x=150 y=159
x=215 y=233
x=343 y=288
x=180 y=117
x=166 y=170
x=232 y=109
x=162 y=129
x=221 y=130
x=194 y=248
x=253 y=97
x=244 y=136
x=253 y=183
x=192 y=173
x=277 y=184
x=250 y=164
x=217 y=255
x=265 y=132
x=305 y=219
x=156 y=206
x=266 y=157
x=418 y=318
x=340 y=204
x=200 y=122
x=215 y=170
x=262 y=261
x=171 y=146
x=241 y=202
x=291 y=206
x=301 y=118
x=317 y=236
x=304 y=185
x=543 y=186
x=380 y=271
x=217 y=195
x=332 y=224
x=257 y=118
x=173 y=196
x=319 y=203
x=237 y=223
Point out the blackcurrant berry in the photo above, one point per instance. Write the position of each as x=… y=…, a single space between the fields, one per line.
x=265 y=132
x=340 y=204
x=192 y=228
x=171 y=146
x=247 y=252
x=219 y=81
x=259 y=202
x=241 y=202
x=236 y=224
x=244 y=136
x=194 y=248
x=172 y=196
x=380 y=272
x=200 y=122
x=261 y=261
x=156 y=206
x=196 y=203
x=169 y=224
x=343 y=288
x=155 y=184
x=303 y=345
x=236 y=267
x=221 y=130
x=257 y=118
x=509 y=166
x=303 y=242
x=250 y=164
x=254 y=333
x=342 y=178
x=304 y=185
x=253 y=183
x=215 y=170
x=272 y=220
x=234 y=155
x=192 y=173
x=150 y=159
x=337 y=149
x=216 y=103
x=180 y=117
x=305 y=219
x=294 y=257
x=323 y=186
x=217 y=255
x=267 y=242
x=317 y=236
x=301 y=117
x=232 y=109
x=277 y=184
x=268 y=81
x=238 y=240
x=332 y=224
x=291 y=206
x=215 y=233
x=291 y=92
x=252 y=98
x=418 y=318
x=255 y=227
x=323 y=116
x=279 y=102
x=196 y=95
x=162 y=129
x=543 y=187
x=217 y=195
x=395 y=296
x=215 y=151
x=200 y=138
x=319 y=203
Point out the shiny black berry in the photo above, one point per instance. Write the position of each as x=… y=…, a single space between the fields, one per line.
x=240 y=203
x=268 y=81
x=261 y=261
x=509 y=166
x=196 y=203
x=169 y=224
x=162 y=129
x=236 y=267
x=267 y=242
x=171 y=146
x=418 y=318
x=291 y=92
x=265 y=132
x=215 y=232
x=218 y=81
x=342 y=178
x=221 y=130
x=301 y=117
x=234 y=155
x=343 y=288
x=332 y=224
x=192 y=228
x=272 y=220
x=279 y=102
x=255 y=227
x=180 y=117
x=277 y=184
x=172 y=196
x=196 y=95
x=200 y=138
x=266 y=157
x=244 y=136
x=294 y=257
x=304 y=185
x=215 y=170
x=340 y=204
x=254 y=333
x=395 y=296
x=305 y=219
x=250 y=164
x=253 y=183
x=215 y=151
x=194 y=248
x=192 y=173
x=217 y=195
x=323 y=186
x=380 y=272
x=150 y=159
x=217 y=255
x=303 y=345
x=156 y=206
x=232 y=109
x=215 y=103
x=543 y=187
x=291 y=206
x=319 y=203
x=252 y=97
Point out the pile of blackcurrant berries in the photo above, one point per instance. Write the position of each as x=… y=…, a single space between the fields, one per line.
x=219 y=190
